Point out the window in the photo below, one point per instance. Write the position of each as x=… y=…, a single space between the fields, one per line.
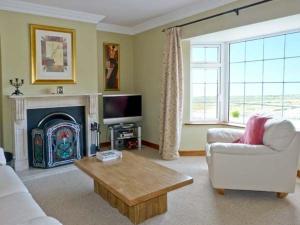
x=205 y=71
x=255 y=75
x=265 y=76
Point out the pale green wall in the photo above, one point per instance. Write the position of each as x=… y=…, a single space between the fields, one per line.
x=148 y=60
x=126 y=68
x=126 y=59
x=141 y=60
x=15 y=59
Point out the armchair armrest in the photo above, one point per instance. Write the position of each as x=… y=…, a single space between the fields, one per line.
x=2 y=157
x=240 y=149
x=223 y=135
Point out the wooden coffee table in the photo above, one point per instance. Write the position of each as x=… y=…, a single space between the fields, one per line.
x=134 y=185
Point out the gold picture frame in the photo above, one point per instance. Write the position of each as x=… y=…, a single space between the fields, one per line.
x=111 y=66
x=53 y=55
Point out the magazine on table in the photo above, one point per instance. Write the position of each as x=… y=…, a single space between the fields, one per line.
x=109 y=155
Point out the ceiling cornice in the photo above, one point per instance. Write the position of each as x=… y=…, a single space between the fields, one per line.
x=115 y=28
x=182 y=13
x=42 y=10
x=165 y=19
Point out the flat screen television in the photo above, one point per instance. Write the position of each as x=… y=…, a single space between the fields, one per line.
x=122 y=108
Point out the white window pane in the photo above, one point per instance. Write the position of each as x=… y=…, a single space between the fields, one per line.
x=250 y=110
x=292 y=94
x=254 y=50
x=198 y=91
x=274 y=47
x=198 y=54
x=211 y=75
x=253 y=93
x=292 y=69
x=211 y=92
x=197 y=111
x=237 y=71
x=274 y=111
x=211 y=111
x=292 y=46
x=291 y=113
x=254 y=71
x=237 y=93
x=197 y=75
x=237 y=52
x=272 y=94
x=236 y=113
x=212 y=55
x=273 y=70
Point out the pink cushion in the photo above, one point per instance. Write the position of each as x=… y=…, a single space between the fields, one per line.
x=254 y=131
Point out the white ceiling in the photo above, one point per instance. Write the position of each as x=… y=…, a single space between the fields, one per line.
x=124 y=16
x=120 y=12
x=125 y=12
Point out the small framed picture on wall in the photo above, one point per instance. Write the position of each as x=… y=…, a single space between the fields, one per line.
x=111 y=65
x=53 y=55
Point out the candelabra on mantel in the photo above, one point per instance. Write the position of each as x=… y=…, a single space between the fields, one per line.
x=17 y=84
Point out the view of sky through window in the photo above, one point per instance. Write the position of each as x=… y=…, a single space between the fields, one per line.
x=265 y=77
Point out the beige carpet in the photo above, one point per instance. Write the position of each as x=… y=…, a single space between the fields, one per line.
x=69 y=197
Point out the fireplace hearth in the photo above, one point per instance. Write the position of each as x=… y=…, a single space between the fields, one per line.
x=56 y=141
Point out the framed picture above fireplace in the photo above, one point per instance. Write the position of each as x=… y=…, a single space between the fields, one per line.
x=53 y=55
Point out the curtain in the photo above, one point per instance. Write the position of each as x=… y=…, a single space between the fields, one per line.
x=171 y=108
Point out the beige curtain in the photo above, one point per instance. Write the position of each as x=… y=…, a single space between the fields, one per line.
x=171 y=97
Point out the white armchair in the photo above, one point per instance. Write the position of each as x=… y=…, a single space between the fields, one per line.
x=269 y=167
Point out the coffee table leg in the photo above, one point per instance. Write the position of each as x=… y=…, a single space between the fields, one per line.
x=150 y=208
x=136 y=213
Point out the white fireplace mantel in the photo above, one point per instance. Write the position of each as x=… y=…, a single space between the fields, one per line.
x=20 y=104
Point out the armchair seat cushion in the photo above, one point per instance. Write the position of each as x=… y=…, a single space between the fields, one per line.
x=240 y=149
x=223 y=135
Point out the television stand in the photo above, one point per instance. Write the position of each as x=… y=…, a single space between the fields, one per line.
x=125 y=136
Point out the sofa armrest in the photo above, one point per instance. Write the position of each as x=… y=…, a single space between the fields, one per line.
x=2 y=157
x=223 y=135
x=45 y=220
x=240 y=149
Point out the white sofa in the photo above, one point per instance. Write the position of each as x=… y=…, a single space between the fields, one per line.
x=269 y=167
x=17 y=207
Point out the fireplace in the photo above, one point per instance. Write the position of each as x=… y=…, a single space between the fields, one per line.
x=56 y=141
x=21 y=114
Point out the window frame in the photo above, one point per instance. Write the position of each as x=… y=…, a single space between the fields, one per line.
x=223 y=103
x=283 y=82
x=206 y=65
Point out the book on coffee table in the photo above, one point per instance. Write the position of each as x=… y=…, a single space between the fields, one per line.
x=108 y=155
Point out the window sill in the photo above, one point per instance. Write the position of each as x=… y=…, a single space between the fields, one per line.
x=204 y=123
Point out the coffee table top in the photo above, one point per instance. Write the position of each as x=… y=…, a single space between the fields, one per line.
x=133 y=178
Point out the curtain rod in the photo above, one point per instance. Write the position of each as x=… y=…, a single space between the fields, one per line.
x=236 y=11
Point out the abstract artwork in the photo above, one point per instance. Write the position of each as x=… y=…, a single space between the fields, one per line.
x=111 y=64
x=53 y=56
